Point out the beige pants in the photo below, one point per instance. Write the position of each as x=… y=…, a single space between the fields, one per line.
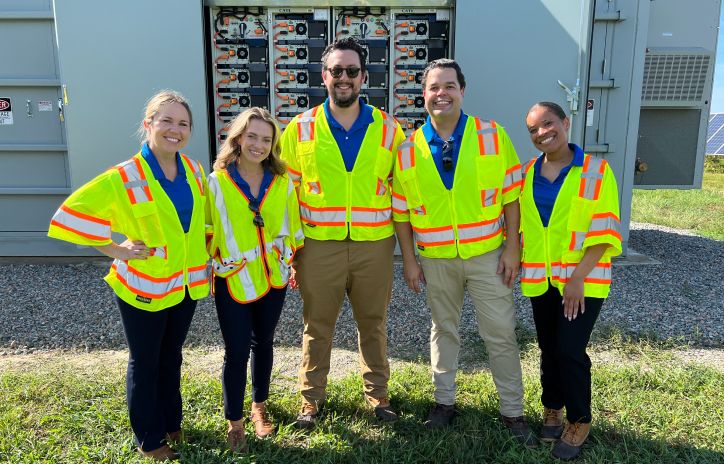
x=326 y=271
x=495 y=313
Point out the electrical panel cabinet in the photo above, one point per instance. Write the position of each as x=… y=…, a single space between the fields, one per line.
x=272 y=57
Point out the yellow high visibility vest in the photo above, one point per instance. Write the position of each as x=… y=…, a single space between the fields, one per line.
x=467 y=220
x=253 y=259
x=127 y=199
x=335 y=203
x=585 y=214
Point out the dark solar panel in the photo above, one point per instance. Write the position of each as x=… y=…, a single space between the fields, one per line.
x=715 y=134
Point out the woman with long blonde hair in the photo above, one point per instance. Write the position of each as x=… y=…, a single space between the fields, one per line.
x=256 y=233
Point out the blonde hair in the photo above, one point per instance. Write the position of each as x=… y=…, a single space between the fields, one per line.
x=154 y=104
x=231 y=151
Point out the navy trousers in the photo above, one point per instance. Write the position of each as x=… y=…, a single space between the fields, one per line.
x=153 y=378
x=247 y=328
x=565 y=368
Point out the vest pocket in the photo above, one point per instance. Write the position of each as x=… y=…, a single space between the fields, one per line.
x=490 y=171
x=148 y=224
x=580 y=214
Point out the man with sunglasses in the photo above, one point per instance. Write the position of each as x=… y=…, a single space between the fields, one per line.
x=340 y=155
x=456 y=185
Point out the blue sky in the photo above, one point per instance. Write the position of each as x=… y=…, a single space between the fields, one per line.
x=717 y=98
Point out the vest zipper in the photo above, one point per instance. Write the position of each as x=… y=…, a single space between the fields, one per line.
x=349 y=205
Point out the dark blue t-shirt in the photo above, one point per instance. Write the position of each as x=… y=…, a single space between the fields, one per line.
x=178 y=191
x=244 y=185
x=350 y=141
x=545 y=192
x=436 y=145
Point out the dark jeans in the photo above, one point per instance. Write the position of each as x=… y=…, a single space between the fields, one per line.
x=565 y=368
x=247 y=328
x=153 y=378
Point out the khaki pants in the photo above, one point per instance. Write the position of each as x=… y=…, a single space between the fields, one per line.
x=495 y=313
x=327 y=270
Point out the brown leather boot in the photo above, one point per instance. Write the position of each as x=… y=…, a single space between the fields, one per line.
x=569 y=446
x=262 y=425
x=236 y=437
x=176 y=437
x=552 y=425
x=164 y=453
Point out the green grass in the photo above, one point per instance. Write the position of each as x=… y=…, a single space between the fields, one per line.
x=648 y=408
x=701 y=211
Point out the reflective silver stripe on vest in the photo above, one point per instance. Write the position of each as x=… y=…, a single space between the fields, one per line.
x=398 y=204
x=134 y=182
x=434 y=237
x=591 y=178
x=533 y=273
x=381 y=189
x=487 y=132
x=479 y=231
x=406 y=155
x=329 y=217
x=233 y=248
x=196 y=168
x=197 y=276
x=137 y=283
x=489 y=196
x=315 y=188
x=599 y=273
x=388 y=131
x=247 y=283
x=513 y=177
x=528 y=165
x=361 y=218
x=84 y=225
x=607 y=223
x=577 y=239
x=294 y=175
x=224 y=266
x=305 y=126
x=556 y=271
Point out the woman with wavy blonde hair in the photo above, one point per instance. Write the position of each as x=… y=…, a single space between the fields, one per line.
x=256 y=233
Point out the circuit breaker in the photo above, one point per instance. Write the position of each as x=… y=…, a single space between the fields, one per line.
x=298 y=38
x=240 y=54
x=419 y=37
x=272 y=57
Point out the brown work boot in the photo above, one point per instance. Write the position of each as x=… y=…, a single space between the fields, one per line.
x=552 y=425
x=440 y=415
x=520 y=430
x=164 y=453
x=569 y=446
x=383 y=409
x=262 y=425
x=236 y=437
x=176 y=437
x=308 y=415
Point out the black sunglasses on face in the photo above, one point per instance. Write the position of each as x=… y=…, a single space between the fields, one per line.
x=336 y=72
x=258 y=220
x=447 y=152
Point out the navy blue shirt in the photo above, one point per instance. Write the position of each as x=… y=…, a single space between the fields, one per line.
x=435 y=143
x=545 y=192
x=244 y=185
x=350 y=141
x=178 y=191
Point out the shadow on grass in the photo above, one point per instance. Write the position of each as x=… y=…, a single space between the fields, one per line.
x=348 y=433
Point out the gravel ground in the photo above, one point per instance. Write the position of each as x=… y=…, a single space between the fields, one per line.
x=51 y=306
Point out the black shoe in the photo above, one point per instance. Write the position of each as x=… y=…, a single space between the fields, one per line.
x=520 y=430
x=440 y=415
x=383 y=409
x=308 y=415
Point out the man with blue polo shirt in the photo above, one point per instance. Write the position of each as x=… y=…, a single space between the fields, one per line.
x=456 y=185
x=340 y=156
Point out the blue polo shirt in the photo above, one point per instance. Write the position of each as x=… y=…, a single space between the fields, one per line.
x=178 y=191
x=545 y=192
x=350 y=141
x=435 y=142
x=244 y=185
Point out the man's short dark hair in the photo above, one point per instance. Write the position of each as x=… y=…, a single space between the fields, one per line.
x=444 y=63
x=348 y=43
